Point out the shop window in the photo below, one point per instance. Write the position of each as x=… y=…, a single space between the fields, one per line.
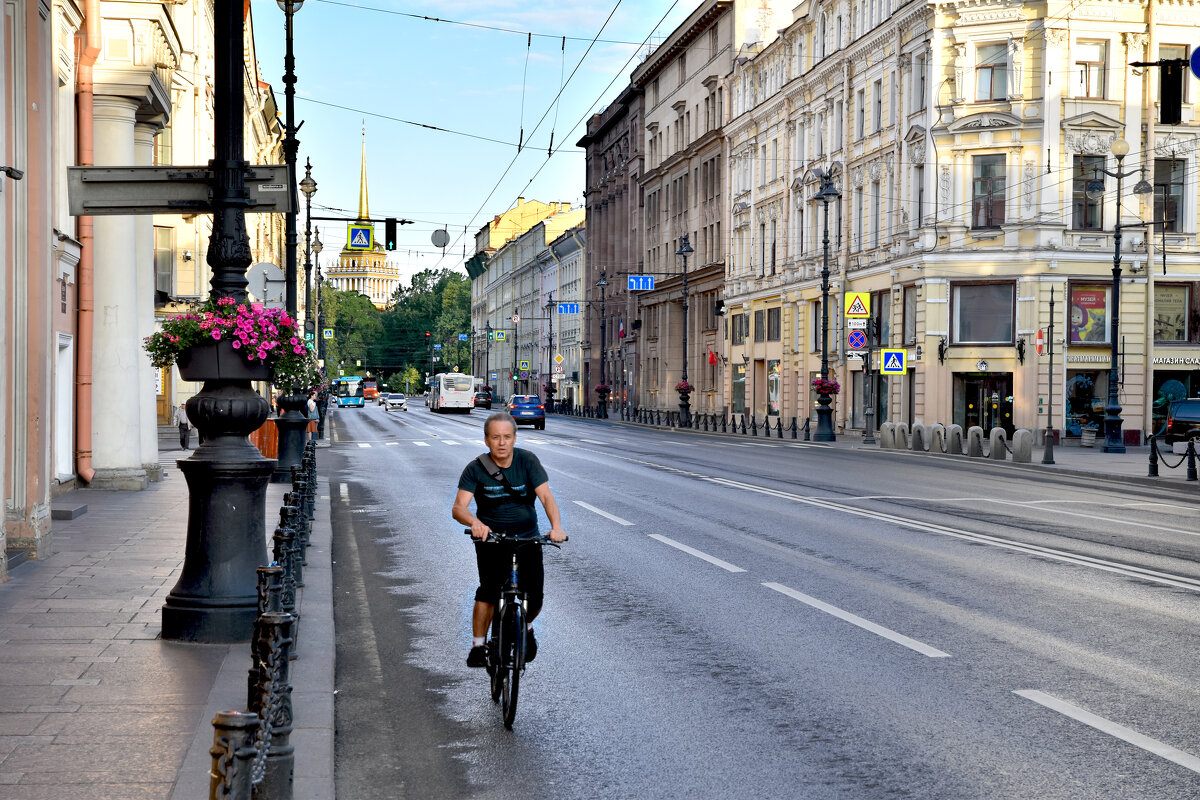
x=774 y=387
x=760 y=328
x=991 y=72
x=1086 y=213
x=773 y=324
x=1175 y=313
x=983 y=313
x=1085 y=400
x=1089 y=314
x=1168 y=194
x=739 y=329
x=987 y=201
x=738 y=400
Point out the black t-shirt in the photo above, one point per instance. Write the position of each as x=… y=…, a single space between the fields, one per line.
x=494 y=505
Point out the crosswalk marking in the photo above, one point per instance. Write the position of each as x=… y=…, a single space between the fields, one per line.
x=392 y=444
x=421 y=444
x=364 y=444
x=450 y=442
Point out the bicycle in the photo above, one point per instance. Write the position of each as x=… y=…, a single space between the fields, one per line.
x=506 y=648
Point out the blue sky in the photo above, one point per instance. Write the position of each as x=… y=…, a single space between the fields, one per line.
x=378 y=61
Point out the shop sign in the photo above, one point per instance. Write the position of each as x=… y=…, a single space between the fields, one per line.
x=1190 y=361
x=1089 y=314
x=1090 y=359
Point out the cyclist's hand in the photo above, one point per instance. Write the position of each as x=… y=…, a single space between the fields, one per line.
x=557 y=535
x=479 y=530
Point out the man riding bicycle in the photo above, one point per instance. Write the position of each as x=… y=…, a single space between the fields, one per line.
x=504 y=486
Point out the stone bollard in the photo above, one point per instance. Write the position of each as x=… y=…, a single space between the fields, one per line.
x=232 y=774
x=1153 y=456
x=271 y=700
x=998 y=442
x=918 y=437
x=1191 y=460
x=887 y=436
x=900 y=429
x=975 y=442
x=954 y=440
x=937 y=437
x=1022 y=446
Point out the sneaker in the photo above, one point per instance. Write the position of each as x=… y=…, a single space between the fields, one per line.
x=478 y=657
x=530 y=646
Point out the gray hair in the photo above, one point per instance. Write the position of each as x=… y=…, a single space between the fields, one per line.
x=499 y=416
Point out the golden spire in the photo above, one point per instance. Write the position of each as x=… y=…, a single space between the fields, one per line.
x=364 y=213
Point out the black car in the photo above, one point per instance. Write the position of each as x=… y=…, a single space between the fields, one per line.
x=483 y=399
x=1183 y=421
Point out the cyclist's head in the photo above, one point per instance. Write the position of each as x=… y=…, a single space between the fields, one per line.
x=502 y=417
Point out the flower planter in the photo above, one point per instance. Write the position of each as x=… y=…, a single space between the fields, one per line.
x=219 y=361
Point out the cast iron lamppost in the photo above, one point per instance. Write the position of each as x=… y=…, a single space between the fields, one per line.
x=685 y=407
x=1048 y=449
x=309 y=187
x=290 y=145
x=602 y=284
x=824 y=412
x=550 y=355
x=323 y=398
x=1114 y=441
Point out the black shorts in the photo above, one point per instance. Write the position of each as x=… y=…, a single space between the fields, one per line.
x=495 y=565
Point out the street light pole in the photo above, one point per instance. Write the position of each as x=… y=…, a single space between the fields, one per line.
x=550 y=355
x=685 y=407
x=290 y=145
x=1048 y=450
x=309 y=187
x=319 y=318
x=1114 y=441
x=603 y=394
x=824 y=412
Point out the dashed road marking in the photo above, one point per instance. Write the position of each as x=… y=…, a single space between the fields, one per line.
x=604 y=514
x=725 y=565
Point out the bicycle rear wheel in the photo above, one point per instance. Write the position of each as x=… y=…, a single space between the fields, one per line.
x=513 y=658
x=495 y=660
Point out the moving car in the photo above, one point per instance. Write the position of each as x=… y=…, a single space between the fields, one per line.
x=1183 y=421
x=394 y=400
x=483 y=399
x=527 y=409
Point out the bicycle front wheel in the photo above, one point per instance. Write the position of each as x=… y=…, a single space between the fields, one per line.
x=513 y=641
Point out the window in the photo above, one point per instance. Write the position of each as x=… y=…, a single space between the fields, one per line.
x=910 y=314
x=1089 y=314
x=1168 y=194
x=858 y=220
x=876 y=215
x=1175 y=51
x=983 y=313
x=1086 y=213
x=163 y=147
x=683 y=69
x=1170 y=312
x=839 y=124
x=1089 y=65
x=815 y=316
x=919 y=191
x=860 y=113
x=774 y=159
x=773 y=324
x=919 y=82
x=738 y=332
x=877 y=106
x=163 y=258
x=760 y=329
x=987 y=202
x=991 y=72
x=774 y=240
x=879 y=329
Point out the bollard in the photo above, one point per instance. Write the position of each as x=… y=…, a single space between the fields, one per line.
x=270 y=588
x=1191 y=459
x=754 y=425
x=1153 y=457
x=807 y=431
x=743 y=423
x=724 y=429
x=779 y=427
x=294 y=524
x=271 y=699
x=793 y=427
x=231 y=776
x=284 y=557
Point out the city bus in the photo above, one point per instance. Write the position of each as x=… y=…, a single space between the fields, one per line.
x=451 y=391
x=348 y=391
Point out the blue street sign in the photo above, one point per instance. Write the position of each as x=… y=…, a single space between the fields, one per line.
x=1196 y=62
x=500 y=336
x=856 y=339
x=327 y=333
x=437 y=347
x=641 y=283
x=462 y=337
x=568 y=308
x=359 y=237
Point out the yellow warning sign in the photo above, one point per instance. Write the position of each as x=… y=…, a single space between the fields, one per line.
x=858 y=304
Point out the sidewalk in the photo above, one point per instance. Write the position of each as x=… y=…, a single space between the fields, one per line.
x=95 y=704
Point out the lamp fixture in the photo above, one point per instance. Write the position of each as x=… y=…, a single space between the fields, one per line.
x=1021 y=350
x=942 y=348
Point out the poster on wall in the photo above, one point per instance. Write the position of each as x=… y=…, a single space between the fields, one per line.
x=1089 y=314
x=1170 y=313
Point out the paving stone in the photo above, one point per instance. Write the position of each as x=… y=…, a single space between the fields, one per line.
x=19 y=724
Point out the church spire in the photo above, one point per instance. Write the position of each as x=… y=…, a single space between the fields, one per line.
x=364 y=213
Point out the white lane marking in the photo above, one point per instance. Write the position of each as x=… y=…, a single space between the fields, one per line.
x=854 y=619
x=1114 y=729
x=364 y=444
x=391 y=444
x=682 y=444
x=1064 y=513
x=343 y=491
x=725 y=565
x=592 y=441
x=421 y=444
x=450 y=442
x=604 y=514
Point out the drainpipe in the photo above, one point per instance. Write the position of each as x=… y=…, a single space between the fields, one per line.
x=84 y=320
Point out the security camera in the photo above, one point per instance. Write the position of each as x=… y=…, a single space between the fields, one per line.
x=13 y=173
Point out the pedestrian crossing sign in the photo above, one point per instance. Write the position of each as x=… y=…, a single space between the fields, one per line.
x=892 y=362
x=524 y=366
x=360 y=237
x=858 y=304
x=499 y=336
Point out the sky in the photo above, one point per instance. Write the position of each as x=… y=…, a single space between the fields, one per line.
x=446 y=102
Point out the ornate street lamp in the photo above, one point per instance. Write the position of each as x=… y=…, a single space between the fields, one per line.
x=290 y=145
x=309 y=187
x=825 y=432
x=602 y=284
x=550 y=356
x=1114 y=440
x=685 y=406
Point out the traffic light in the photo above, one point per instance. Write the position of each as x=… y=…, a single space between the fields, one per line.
x=1170 y=91
x=428 y=335
x=389 y=233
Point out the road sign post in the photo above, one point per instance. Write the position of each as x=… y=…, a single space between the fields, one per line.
x=112 y=191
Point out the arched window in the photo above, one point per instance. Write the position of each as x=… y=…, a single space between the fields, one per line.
x=824 y=33
x=838 y=33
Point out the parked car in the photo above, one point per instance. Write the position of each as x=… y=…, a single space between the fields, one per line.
x=1183 y=421
x=483 y=399
x=394 y=400
x=527 y=409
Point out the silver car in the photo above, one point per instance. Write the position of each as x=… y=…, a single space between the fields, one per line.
x=394 y=400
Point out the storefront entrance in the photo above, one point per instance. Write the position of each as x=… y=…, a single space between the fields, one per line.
x=983 y=399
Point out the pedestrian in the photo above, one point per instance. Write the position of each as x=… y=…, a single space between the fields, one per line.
x=185 y=427
x=313 y=416
x=504 y=489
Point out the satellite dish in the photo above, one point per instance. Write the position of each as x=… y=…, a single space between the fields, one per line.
x=440 y=238
x=266 y=284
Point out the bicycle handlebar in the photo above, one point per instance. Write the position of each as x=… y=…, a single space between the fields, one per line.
x=500 y=536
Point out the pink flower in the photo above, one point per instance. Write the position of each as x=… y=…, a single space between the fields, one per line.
x=216 y=334
x=237 y=345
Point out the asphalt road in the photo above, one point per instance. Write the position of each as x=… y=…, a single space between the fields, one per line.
x=738 y=618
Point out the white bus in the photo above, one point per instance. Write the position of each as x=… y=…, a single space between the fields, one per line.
x=451 y=391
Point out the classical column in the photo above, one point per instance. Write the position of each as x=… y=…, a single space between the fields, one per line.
x=143 y=146
x=117 y=391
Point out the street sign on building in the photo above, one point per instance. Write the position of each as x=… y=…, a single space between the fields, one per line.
x=641 y=283
x=893 y=362
x=359 y=237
